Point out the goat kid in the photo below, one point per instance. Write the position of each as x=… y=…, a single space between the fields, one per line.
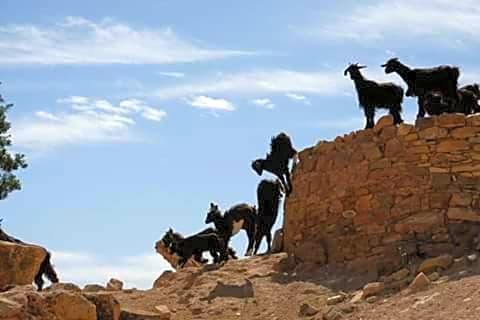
x=241 y=216
x=172 y=237
x=195 y=245
x=373 y=95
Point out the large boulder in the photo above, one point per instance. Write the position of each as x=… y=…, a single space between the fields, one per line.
x=108 y=307
x=71 y=306
x=19 y=263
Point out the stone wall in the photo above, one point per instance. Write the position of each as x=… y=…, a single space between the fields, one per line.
x=376 y=199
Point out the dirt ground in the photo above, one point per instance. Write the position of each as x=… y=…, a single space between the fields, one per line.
x=265 y=288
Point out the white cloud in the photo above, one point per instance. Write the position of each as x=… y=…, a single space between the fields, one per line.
x=47 y=116
x=204 y=102
x=153 y=114
x=74 y=100
x=81 y=41
x=265 y=103
x=138 y=271
x=298 y=97
x=173 y=74
x=443 y=20
x=252 y=83
x=95 y=120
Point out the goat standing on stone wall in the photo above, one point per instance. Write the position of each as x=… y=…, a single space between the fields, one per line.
x=373 y=95
x=276 y=162
x=421 y=81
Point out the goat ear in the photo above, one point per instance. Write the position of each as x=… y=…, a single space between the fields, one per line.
x=361 y=67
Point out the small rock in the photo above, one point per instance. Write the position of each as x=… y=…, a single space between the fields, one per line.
x=336 y=299
x=332 y=314
x=306 y=310
x=472 y=257
x=63 y=286
x=459 y=264
x=357 y=297
x=348 y=308
x=429 y=265
x=372 y=289
x=434 y=276
x=399 y=275
x=163 y=311
x=93 y=288
x=372 y=299
x=383 y=122
x=114 y=285
x=196 y=310
x=420 y=282
x=131 y=314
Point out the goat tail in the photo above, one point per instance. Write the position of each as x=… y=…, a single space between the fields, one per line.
x=455 y=73
x=46 y=268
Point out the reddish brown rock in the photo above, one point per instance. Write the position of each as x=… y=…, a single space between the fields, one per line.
x=19 y=264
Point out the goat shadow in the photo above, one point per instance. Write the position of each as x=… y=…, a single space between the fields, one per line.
x=222 y=290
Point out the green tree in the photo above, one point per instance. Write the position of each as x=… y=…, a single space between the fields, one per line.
x=9 y=163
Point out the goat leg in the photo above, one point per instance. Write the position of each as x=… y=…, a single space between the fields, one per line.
x=421 y=109
x=370 y=115
x=284 y=184
x=395 y=112
x=289 y=182
x=269 y=241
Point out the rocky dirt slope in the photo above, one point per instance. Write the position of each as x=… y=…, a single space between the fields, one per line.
x=265 y=287
x=270 y=287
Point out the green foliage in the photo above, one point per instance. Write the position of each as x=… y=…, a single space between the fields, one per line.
x=9 y=163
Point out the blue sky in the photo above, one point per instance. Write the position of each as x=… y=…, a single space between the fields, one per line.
x=134 y=116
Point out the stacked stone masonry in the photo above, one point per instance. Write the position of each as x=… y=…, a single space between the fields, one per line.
x=376 y=199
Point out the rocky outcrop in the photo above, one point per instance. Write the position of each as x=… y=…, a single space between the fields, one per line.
x=19 y=263
x=58 y=302
x=373 y=200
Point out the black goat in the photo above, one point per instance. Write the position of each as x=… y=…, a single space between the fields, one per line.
x=171 y=237
x=467 y=102
x=373 y=95
x=469 y=96
x=435 y=104
x=46 y=267
x=269 y=194
x=276 y=162
x=421 y=81
x=241 y=216
x=195 y=245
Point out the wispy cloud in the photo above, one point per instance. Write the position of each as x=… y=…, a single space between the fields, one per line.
x=84 y=121
x=80 y=41
x=442 y=20
x=215 y=104
x=138 y=271
x=264 y=103
x=298 y=98
x=253 y=83
x=173 y=74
